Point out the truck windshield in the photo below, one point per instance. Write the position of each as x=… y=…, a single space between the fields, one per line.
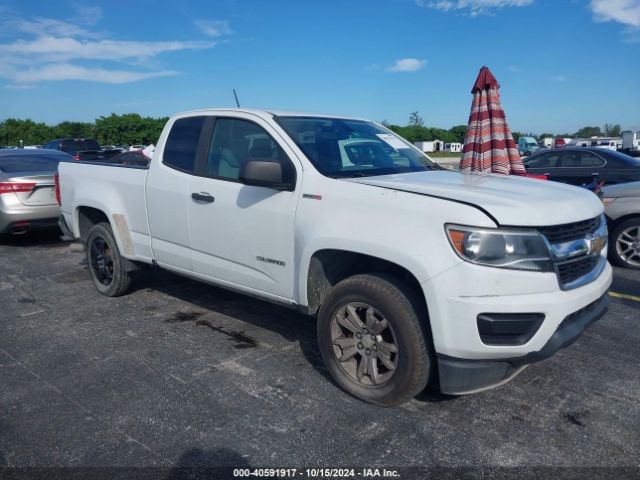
x=353 y=148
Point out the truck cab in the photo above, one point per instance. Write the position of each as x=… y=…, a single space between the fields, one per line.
x=527 y=145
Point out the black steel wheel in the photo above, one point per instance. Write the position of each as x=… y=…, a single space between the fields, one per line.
x=106 y=265
x=372 y=340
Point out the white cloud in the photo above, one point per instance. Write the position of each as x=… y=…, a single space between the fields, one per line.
x=65 y=71
x=50 y=26
x=626 y=12
x=407 y=65
x=559 y=78
x=65 y=48
x=88 y=15
x=514 y=69
x=47 y=49
x=474 y=7
x=214 y=28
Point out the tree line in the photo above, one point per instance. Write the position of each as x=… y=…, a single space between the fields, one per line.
x=131 y=128
x=127 y=129
x=416 y=131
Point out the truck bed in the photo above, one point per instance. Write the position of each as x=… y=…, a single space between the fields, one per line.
x=117 y=190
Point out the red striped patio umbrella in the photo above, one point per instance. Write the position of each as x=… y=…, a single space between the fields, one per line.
x=488 y=145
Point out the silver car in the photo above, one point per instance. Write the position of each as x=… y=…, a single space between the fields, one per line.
x=27 y=189
x=622 y=207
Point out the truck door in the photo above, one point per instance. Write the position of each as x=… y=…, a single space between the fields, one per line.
x=167 y=193
x=240 y=234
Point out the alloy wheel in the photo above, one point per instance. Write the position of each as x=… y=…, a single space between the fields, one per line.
x=628 y=245
x=364 y=344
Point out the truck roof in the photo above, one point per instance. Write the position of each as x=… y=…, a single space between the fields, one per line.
x=266 y=114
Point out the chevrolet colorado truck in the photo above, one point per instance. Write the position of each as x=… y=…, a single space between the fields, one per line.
x=414 y=273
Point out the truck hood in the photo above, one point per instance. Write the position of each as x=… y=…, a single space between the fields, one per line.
x=510 y=200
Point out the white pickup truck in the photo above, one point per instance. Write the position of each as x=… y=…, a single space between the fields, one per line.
x=415 y=273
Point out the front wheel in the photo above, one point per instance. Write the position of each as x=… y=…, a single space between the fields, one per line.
x=106 y=265
x=372 y=341
x=624 y=247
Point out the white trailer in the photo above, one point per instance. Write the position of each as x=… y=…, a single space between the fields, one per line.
x=548 y=142
x=430 y=146
x=453 y=147
x=631 y=141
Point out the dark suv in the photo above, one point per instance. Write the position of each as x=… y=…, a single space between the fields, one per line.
x=73 y=145
x=83 y=149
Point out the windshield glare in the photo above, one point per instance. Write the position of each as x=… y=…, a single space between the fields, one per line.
x=353 y=148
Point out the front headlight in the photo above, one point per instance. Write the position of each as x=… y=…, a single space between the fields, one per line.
x=518 y=250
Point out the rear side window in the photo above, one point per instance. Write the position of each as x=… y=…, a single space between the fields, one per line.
x=182 y=143
x=31 y=163
x=571 y=159
x=590 y=160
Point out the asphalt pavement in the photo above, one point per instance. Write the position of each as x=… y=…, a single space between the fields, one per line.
x=181 y=373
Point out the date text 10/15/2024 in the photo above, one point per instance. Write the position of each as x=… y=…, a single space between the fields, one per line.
x=316 y=472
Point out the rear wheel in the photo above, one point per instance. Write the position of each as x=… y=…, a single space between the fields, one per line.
x=371 y=339
x=105 y=262
x=624 y=247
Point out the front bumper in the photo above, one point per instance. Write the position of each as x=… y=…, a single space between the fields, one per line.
x=461 y=376
x=458 y=296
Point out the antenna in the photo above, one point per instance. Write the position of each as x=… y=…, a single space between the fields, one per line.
x=236 y=96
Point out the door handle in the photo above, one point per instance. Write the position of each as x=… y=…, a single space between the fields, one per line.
x=203 y=197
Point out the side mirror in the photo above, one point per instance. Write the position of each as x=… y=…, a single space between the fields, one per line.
x=264 y=173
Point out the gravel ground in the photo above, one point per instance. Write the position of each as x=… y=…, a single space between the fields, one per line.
x=180 y=373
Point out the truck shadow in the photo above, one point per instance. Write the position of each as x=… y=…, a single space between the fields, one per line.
x=290 y=324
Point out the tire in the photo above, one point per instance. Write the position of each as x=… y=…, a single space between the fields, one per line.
x=374 y=298
x=106 y=265
x=624 y=244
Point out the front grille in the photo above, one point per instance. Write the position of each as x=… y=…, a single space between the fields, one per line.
x=573 y=270
x=570 y=231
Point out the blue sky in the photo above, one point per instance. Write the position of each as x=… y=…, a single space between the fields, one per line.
x=562 y=64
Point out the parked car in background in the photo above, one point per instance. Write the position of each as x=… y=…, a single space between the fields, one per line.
x=527 y=145
x=136 y=147
x=86 y=149
x=622 y=208
x=561 y=142
x=131 y=158
x=27 y=189
x=581 y=165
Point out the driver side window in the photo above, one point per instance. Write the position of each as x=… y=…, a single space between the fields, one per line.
x=235 y=142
